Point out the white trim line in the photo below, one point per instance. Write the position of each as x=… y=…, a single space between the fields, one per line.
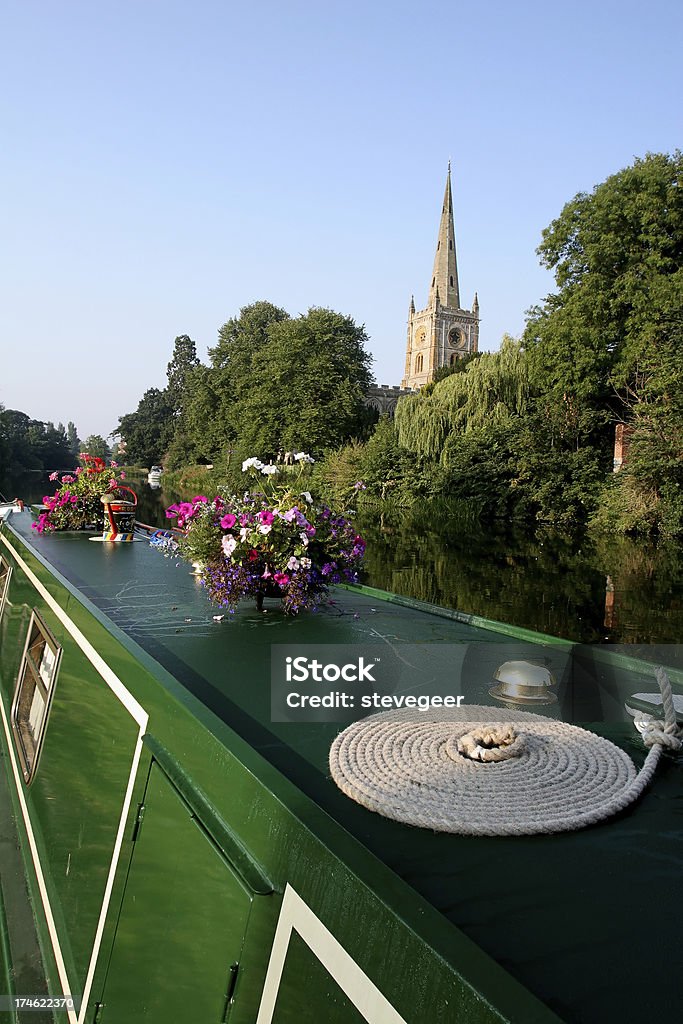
x=296 y=915
x=140 y=716
x=19 y=786
x=96 y=660
x=110 y=878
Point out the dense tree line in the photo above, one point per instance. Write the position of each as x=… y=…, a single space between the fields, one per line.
x=274 y=382
x=28 y=445
x=34 y=446
x=525 y=433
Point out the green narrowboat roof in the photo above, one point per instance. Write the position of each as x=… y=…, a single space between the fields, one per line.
x=585 y=920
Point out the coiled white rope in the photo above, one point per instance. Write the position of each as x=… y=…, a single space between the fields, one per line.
x=479 y=771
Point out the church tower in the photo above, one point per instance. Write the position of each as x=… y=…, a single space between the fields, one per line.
x=443 y=331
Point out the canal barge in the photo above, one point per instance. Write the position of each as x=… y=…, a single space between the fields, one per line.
x=187 y=856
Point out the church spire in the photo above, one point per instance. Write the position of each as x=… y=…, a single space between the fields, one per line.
x=445 y=273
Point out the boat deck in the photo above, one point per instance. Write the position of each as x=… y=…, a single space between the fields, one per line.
x=586 y=920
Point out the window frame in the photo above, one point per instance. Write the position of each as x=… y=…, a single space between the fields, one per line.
x=38 y=672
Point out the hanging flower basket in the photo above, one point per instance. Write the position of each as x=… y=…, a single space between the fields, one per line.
x=281 y=544
x=77 y=502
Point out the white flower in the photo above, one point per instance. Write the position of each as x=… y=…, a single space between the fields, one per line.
x=304 y=539
x=269 y=470
x=265 y=528
x=244 y=533
x=293 y=563
x=303 y=457
x=305 y=562
x=228 y=544
x=307 y=495
x=248 y=463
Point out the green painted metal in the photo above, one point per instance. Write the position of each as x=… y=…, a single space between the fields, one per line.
x=236 y=854
x=182 y=922
x=447 y=927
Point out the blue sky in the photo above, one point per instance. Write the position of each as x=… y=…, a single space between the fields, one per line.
x=165 y=163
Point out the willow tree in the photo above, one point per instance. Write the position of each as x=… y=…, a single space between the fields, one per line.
x=492 y=389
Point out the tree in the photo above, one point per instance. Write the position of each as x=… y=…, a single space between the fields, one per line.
x=617 y=255
x=30 y=445
x=183 y=362
x=148 y=431
x=492 y=388
x=96 y=446
x=73 y=438
x=607 y=346
x=306 y=386
x=240 y=338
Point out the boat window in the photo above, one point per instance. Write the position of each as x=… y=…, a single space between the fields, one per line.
x=5 y=573
x=33 y=696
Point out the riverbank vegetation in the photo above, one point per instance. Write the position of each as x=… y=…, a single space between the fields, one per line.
x=522 y=435
x=34 y=446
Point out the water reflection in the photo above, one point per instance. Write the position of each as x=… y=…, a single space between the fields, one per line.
x=597 y=590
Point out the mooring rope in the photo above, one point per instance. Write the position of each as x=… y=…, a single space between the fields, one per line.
x=479 y=771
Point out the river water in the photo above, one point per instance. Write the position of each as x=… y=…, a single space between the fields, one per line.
x=595 y=590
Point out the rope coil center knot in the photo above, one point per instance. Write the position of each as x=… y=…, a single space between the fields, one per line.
x=491 y=743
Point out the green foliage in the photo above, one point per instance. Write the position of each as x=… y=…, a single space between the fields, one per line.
x=30 y=445
x=385 y=465
x=240 y=338
x=307 y=385
x=458 y=366
x=492 y=388
x=148 y=431
x=340 y=471
x=179 y=371
x=617 y=255
x=96 y=446
x=73 y=439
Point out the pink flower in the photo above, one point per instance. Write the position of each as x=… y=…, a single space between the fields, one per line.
x=281 y=578
x=228 y=521
x=53 y=476
x=68 y=479
x=122 y=476
x=228 y=544
x=114 y=465
x=266 y=517
x=112 y=483
x=199 y=499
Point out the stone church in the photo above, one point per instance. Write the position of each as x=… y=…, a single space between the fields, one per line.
x=441 y=332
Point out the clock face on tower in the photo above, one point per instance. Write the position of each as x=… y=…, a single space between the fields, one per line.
x=420 y=338
x=456 y=338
